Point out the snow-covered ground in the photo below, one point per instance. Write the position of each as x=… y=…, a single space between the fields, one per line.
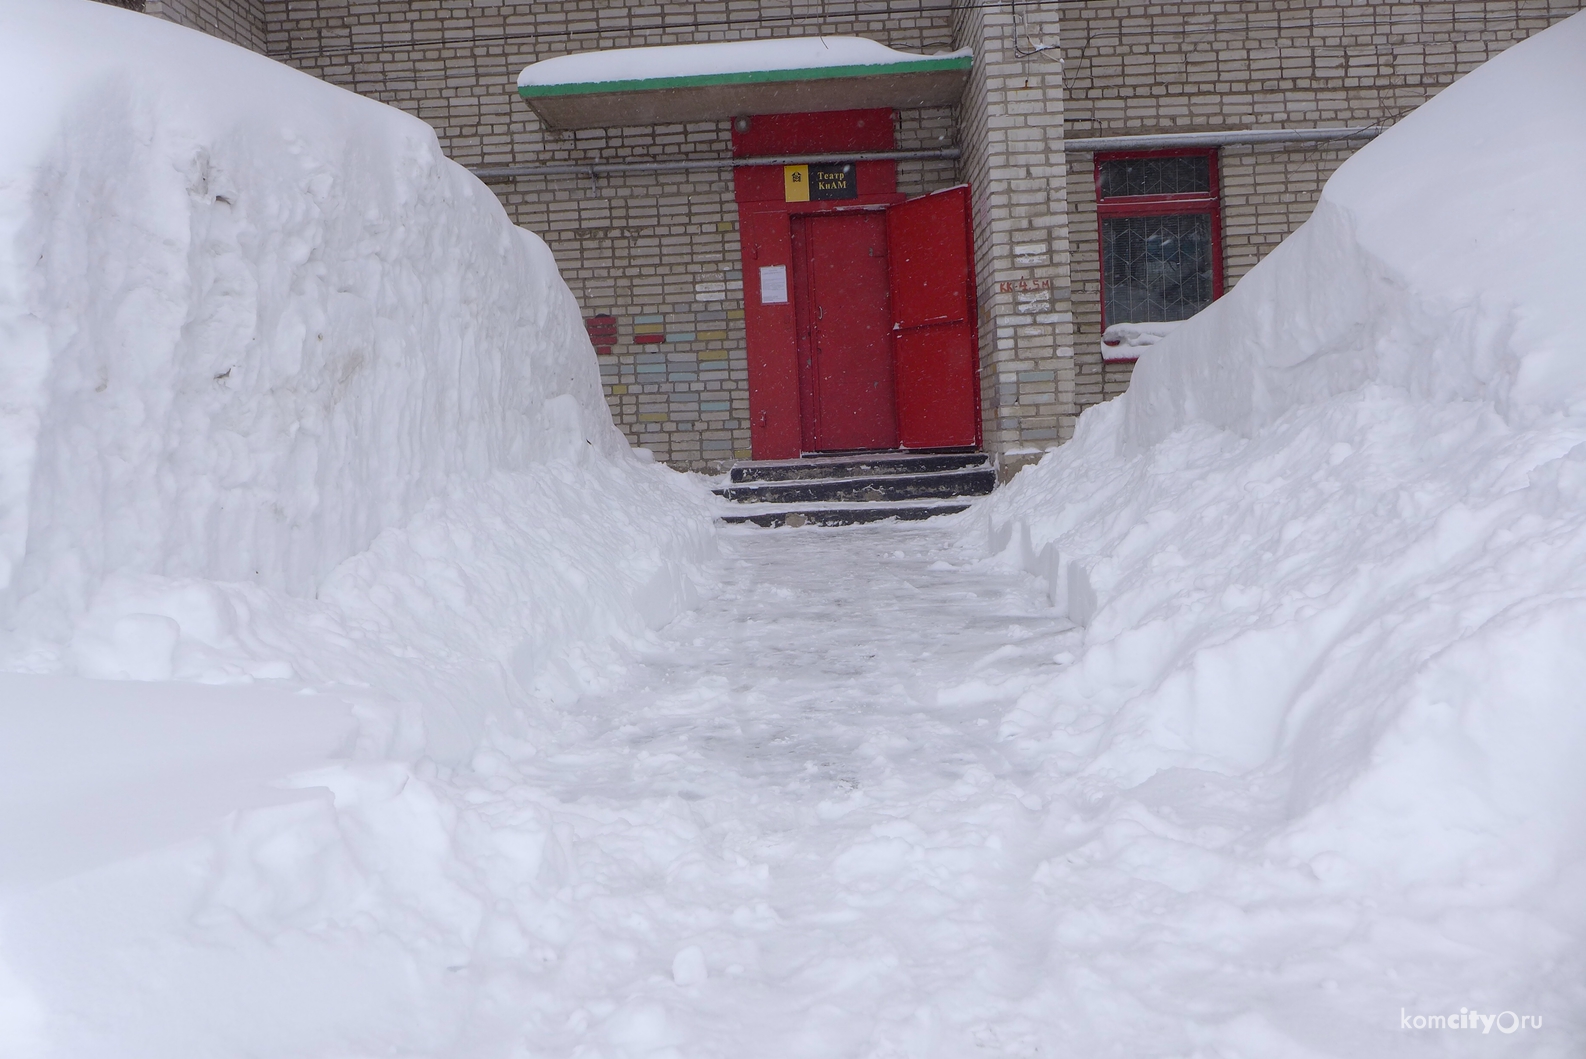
x=353 y=704
x=813 y=818
x=789 y=826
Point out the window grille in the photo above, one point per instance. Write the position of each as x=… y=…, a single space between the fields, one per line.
x=1160 y=225
x=1170 y=175
x=1156 y=268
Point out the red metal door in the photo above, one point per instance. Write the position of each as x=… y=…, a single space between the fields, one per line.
x=844 y=330
x=935 y=331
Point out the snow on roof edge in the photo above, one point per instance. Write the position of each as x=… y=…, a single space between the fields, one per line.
x=725 y=60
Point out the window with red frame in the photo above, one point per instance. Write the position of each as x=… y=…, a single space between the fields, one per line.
x=1161 y=234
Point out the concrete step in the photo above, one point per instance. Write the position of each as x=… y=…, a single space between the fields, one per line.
x=863 y=465
x=843 y=516
x=975 y=481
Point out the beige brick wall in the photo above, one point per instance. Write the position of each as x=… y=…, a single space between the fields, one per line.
x=238 y=21
x=1011 y=128
x=659 y=252
x=1137 y=67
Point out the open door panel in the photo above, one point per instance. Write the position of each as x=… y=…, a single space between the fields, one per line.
x=935 y=328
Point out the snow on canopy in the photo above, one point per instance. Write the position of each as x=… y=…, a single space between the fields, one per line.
x=273 y=365
x=728 y=57
x=1329 y=551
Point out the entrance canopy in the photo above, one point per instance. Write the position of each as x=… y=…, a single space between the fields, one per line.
x=707 y=82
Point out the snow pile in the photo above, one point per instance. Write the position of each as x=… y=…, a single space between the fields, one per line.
x=1125 y=341
x=727 y=57
x=1330 y=555
x=307 y=489
x=285 y=395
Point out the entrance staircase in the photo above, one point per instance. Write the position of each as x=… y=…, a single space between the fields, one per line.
x=844 y=490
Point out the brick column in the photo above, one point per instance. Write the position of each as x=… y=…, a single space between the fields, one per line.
x=1011 y=133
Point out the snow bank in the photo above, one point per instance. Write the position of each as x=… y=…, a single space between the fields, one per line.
x=727 y=57
x=1330 y=555
x=285 y=395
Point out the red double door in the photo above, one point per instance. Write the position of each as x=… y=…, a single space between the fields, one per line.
x=885 y=321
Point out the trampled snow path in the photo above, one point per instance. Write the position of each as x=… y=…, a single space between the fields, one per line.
x=828 y=825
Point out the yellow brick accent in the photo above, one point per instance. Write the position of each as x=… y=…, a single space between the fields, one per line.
x=710 y=336
x=653 y=417
x=619 y=389
x=713 y=354
x=735 y=314
x=725 y=226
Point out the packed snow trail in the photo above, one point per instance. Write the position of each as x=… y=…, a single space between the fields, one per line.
x=801 y=794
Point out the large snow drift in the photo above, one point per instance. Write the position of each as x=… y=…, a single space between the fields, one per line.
x=283 y=393
x=304 y=466
x=1330 y=553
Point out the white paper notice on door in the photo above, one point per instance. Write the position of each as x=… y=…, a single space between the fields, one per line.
x=773 y=285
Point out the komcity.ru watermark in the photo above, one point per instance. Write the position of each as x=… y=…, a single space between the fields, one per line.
x=1470 y=1019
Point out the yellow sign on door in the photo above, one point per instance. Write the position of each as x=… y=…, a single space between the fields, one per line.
x=795 y=183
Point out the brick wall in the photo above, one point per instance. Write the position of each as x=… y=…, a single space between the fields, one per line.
x=1137 y=67
x=657 y=251
x=238 y=21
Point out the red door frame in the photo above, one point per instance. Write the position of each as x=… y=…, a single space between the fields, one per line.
x=766 y=232
x=1209 y=201
x=765 y=229
x=777 y=402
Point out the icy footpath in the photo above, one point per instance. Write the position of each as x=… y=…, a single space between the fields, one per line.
x=791 y=827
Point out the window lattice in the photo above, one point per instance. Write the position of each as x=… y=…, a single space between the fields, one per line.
x=1170 y=175
x=1156 y=269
